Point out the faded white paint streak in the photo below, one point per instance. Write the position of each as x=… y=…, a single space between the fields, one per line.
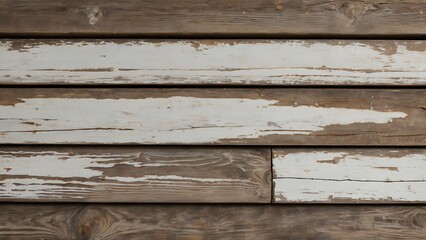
x=185 y=120
x=184 y=62
x=173 y=178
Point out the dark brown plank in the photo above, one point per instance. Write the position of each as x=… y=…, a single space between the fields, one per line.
x=152 y=116
x=135 y=174
x=22 y=221
x=213 y=17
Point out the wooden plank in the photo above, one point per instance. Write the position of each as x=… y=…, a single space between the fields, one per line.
x=130 y=221
x=213 y=116
x=213 y=17
x=214 y=62
x=135 y=174
x=349 y=175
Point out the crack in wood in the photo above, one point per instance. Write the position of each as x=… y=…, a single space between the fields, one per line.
x=348 y=180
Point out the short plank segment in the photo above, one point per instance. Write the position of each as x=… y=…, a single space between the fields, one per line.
x=135 y=174
x=213 y=116
x=213 y=17
x=157 y=222
x=349 y=175
x=214 y=62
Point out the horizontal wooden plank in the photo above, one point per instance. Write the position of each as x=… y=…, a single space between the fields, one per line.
x=26 y=221
x=213 y=17
x=195 y=116
x=135 y=174
x=213 y=116
x=349 y=175
x=214 y=62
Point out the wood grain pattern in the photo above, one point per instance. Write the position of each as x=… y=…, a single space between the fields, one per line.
x=213 y=62
x=213 y=116
x=349 y=175
x=157 y=222
x=213 y=17
x=130 y=174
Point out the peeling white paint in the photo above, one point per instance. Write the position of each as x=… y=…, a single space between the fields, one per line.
x=347 y=165
x=58 y=176
x=186 y=120
x=35 y=188
x=46 y=164
x=349 y=175
x=185 y=62
x=306 y=190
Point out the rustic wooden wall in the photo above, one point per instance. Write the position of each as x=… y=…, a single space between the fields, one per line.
x=212 y=119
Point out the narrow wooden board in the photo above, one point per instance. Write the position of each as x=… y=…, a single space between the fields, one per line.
x=213 y=116
x=349 y=175
x=213 y=62
x=248 y=222
x=280 y=18
x=130 y=174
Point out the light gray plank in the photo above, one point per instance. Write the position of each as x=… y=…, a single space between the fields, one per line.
x=213 y=116
x=349 y=175
x=214 y=62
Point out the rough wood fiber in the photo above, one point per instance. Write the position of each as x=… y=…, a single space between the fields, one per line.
x=349 y=175
x=213 y=17
x=112 y=174
x=242 y=62
x=213 y=116
x=157 y=222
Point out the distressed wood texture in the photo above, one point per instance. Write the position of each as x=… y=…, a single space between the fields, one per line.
x=237 y=62
x=213 y=116
x=213 y=17
x=130 y=174
x=158 y=222
x=349 y=175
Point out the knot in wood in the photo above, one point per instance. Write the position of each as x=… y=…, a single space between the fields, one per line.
x=91 y=221
x=352 y=10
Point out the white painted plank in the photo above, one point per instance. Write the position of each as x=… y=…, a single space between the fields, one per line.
x=182 y=116
x=267 y=62
x=348 y=175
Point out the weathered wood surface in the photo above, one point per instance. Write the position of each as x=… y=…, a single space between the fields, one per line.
x=242 y=62
x=213 y=116
x=213 y=17
x=135 y=174
x=349 y=175
x=23 y=221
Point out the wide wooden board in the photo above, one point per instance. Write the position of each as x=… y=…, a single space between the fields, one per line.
x=279 y=18
x=135 y=174
x=388 y=175
x=213 y=62
x=248 y=222
x=213 y=116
